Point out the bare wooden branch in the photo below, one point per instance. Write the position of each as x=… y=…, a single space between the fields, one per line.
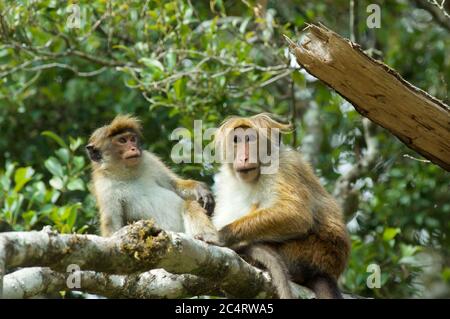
x=377 y=92
x=134 y=249
x=438 y=11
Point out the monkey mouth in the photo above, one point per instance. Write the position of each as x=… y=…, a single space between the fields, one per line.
x=246 y=170
x=133 y=156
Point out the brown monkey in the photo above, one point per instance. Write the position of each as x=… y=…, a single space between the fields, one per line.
x=286 y=209
x=131 y=184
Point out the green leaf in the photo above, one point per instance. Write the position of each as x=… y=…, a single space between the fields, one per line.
x=82 y=229
x=57 y=183
x=79 y=163
x=54 y=167
x=180 y=87
x=76 y=184
x=244 y=25
x=171 y=60
x=63 y=154
x=152 y=63
x=22 y=176
x=390 y=233
x=409 y=250
x=56 y=138
x=73 y=215
x=30 y=217
x=53 y=195
x=75 y=143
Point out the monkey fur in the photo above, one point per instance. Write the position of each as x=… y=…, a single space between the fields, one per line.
x=130 y=184
x=289 y=211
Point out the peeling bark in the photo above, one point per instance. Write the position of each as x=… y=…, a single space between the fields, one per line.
x=377 y=92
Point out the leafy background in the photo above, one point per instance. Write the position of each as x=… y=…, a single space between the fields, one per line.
x=171 y=62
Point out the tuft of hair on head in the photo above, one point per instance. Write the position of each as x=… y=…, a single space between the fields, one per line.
x=122 y=123
x=266 y=120
x=262 y=120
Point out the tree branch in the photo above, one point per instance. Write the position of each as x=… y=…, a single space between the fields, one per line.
x=134 y=249
x=438 y=12
x=377 y=92
x=153 y=284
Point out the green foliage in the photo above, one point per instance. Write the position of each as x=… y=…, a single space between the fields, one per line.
x=28 y=202
x=172 y=62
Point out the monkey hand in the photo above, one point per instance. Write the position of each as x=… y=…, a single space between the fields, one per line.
x=204 y=197
x=226 y=236
x=209 y=238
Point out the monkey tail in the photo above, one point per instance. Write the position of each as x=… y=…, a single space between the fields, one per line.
x=324 y=287
x=272 y=261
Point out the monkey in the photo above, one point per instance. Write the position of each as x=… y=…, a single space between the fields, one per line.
x=131 y=184
x=286 y=209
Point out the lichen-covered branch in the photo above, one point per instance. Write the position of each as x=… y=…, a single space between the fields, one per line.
x=153 y=284
x=136 y=248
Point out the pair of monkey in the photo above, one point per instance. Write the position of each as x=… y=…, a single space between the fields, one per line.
x=285 y=221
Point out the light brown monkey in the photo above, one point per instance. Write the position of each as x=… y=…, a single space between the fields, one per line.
x=287 y=209
x=131 y=184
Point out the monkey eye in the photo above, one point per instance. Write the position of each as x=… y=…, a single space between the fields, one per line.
x=236 y=139
x=132 y=139
x=122 y=140
x=250 y=138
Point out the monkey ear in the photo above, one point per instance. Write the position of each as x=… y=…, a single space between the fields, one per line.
x=94 y=154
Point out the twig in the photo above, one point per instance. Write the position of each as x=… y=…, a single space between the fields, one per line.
x=437 y=10
x=275 y=78
x=293 y=113
x=441 y=6
x=416 y=159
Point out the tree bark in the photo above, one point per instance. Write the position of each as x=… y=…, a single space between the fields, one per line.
x=439 y=14
x=377 y=92
x=153 y=284
x=123 y=265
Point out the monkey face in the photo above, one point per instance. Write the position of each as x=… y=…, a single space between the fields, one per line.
x=246 y=163
x=254 y=153
x=126 y=148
